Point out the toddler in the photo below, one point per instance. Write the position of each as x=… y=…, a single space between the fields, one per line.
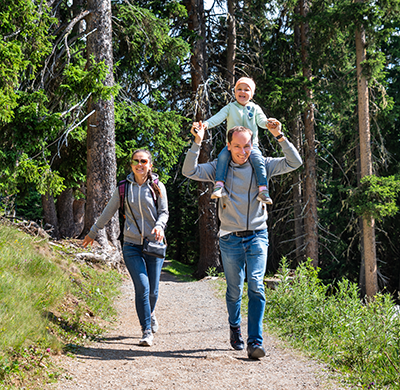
x=245 y=113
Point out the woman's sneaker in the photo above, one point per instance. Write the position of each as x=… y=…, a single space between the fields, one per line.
x=154 y=323
x=147 y=338
x=218 y=192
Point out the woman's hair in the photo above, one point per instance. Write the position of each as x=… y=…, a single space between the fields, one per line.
x=153 y=185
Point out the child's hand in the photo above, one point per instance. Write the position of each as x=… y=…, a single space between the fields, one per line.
x=198 y=130
x=274 y=126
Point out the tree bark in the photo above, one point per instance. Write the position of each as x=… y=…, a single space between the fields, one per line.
x=208 y=223
x=101 y=160
x=297 y=175
x=297 y=198
x=310 y=164
x=65 y=213
x=78 y=209
x=368 y=223
x=50 y=214
x=231 y=45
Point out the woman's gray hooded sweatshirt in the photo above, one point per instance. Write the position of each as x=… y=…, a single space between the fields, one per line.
x=240 y=210
x=143 y=206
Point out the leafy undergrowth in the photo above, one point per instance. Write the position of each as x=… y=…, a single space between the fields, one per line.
x=358 y=339
x=48 y=305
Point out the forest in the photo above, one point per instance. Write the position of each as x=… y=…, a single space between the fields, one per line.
x=83 y=83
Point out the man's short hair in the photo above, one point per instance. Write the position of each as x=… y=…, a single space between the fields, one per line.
x=239 y=129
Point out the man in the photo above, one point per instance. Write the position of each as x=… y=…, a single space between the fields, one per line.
x=243 y=235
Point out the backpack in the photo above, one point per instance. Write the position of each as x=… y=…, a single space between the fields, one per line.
x=122 y=188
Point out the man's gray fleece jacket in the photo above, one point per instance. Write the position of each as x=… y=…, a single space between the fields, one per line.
x=142 y=204
x=241 y=210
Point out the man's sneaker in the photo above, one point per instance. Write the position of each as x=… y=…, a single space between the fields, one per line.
x=263 y=196
x=236 y=339
x=154 y=323
x=255 y=351
x=218 y=192
x=147 y=338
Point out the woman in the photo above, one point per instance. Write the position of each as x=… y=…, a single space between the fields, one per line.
x=151 y=214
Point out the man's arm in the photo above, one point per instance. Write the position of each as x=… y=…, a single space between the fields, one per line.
x=191 y=168
x=281 y=165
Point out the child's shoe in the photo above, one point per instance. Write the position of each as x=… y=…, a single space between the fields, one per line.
x=218 y=192
x=263 y=197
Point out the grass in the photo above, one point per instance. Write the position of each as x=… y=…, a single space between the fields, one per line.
x=183 y=272
x=47 y=304
x=360 y=340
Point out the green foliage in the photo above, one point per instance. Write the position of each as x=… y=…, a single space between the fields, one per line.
x=375 y=197
x=24 y=43
x=45 y=179
x=138 y=126
x=79 y=82
x=151 y=41
x=333 y=324
x=150 y=52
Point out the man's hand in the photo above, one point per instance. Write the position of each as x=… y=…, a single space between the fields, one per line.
x=198 y=130
x=274 y=126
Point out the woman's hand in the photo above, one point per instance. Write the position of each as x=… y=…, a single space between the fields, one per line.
x=86 y=241
x=158 y=233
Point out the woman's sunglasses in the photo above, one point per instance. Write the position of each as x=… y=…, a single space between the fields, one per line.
x=141 y=161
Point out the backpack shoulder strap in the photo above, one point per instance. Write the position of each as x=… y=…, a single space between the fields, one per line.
x=122 y=187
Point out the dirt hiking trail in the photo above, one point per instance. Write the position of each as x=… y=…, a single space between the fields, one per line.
x=191 y=350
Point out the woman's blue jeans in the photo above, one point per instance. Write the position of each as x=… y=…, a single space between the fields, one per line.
x=145 y=272
x=257 y=161
x=238 y=255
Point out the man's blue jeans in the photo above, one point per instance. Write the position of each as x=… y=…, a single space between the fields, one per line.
x=145 y=272
x=239 y=254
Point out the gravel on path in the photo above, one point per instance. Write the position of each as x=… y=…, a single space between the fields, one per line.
x=191 y=350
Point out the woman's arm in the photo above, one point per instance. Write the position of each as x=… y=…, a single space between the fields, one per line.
x=106 y=215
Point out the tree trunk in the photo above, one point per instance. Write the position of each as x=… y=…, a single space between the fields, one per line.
x=50 y=214
x=368 y=223
x=65 y=213
x=101 y=161
x=231 y=45
x=361 y=279
x=297 y=176
x=208 y=223
x=78 y=209
x=297 y=197
x=310 y=190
